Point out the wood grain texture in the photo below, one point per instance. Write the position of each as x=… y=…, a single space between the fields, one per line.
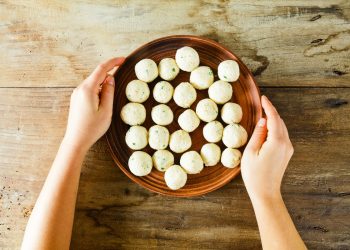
x=299 y=53
x=284 y=43
x=114 y=213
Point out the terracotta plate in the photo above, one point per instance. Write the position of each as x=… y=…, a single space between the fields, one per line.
x=245 y=93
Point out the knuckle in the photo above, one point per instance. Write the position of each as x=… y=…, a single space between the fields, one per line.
x=101 y=66
x=291 y=149
x=279 y=139
x=84 y=88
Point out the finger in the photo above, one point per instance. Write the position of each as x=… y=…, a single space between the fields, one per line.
x=100 y=72
x=258 y=137
x=107 y=94
x=274 y=125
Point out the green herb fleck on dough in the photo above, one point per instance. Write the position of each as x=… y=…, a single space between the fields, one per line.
x=173 y=69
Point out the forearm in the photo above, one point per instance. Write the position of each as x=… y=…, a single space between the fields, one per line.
x=51 y=221
x=276 y=227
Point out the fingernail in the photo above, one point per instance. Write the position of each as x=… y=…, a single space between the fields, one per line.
x=261 y=122
x=110 y=80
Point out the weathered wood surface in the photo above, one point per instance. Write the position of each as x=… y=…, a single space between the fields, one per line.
x=285 y=43
x=113 y=212
x=299 y=52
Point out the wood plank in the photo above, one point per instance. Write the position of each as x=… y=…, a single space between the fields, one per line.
x=112 y=212
x=57 y=43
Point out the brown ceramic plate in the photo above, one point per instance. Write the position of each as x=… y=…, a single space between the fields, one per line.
x=211 y=53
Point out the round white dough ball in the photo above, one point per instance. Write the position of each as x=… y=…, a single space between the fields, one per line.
x=231 y=157
x=168 y=69
x=162 y=114
x=188 y=120
x=234 y=136
x=175 y=177
x=220 y=92
x=133 y=114
x=210 y=154
x=207 y=110
x=187 y=58
x=163 y=92
x=162 y=160
x=231 y=113
x=192 y=162
x=202 y=77
x=136 y=137
x=140 y=163
x=228 y=71
x=184 y=95
x=212 y=131
x=180 y=141
x=137 y=91
x=158 y=137
x=146 y=70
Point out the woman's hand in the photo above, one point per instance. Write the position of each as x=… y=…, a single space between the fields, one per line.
x=267 y=155
x=263 y=164
x=91 y=107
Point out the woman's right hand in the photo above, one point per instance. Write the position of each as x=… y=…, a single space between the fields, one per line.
x=266 y=156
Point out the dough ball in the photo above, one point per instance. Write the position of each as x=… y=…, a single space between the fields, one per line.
x=192 y=162
x=140 y=163
x=180 y=141
x=212 y=131
x=163 y=92
x=136 y=137
x=187 y=58
x=133 y=114
x=162 y=160
x=168 y=69
x=234 y=136
x=188 y=120
x=137 y=91
x=175 y=177
x=231 y=113
x=231 y=157
x=220 y=92
x=158 y=137
x=184 y=95
x=146 y=70
x=207 y=110
x=162 y=114
x=228 y=71
x=210 y=153
x=202 y=77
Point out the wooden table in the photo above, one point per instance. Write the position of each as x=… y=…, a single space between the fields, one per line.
x=299 y=52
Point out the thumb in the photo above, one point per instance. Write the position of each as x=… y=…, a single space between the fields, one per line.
x=258 y=136
x=107 y=94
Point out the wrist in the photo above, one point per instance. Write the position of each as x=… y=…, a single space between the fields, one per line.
x=73 y=146
x=266 y=198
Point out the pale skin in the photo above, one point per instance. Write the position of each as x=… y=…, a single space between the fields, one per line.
x=263 y=164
